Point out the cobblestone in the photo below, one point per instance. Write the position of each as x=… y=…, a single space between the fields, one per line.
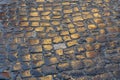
x=59 y=40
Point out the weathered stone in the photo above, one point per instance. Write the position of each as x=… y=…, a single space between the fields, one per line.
x=59 y=46
x=47 y=47
x=101 y=38
x=47 y=41
x=35 y=49
x=5 y=75
x=75 y=36
x=57 y=39
x=112 y=67
x=66 y=38
x=36 y=72
x=26 y=57
x=89 y=47
x=91 y=54
x=92 y=26
x=38 y=63
x=72 y=43
x=16 y=66
x=116 y=74
x=90 y=39
x=37 y=56
x=12 y=58
x=26 y=73
x=48 y=77
x=63 y=66
x=49 y=69
x=76 y=64
x=88 y=62
x=50 y=61
x=59 y=51
x=64 y=33
x=25 y=65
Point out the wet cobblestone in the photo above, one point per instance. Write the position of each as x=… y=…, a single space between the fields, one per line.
x=59 y=40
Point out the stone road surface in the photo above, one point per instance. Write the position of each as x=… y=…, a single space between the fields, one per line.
x=59 y=39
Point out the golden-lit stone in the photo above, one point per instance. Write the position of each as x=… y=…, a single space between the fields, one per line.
x=75 y=36
x=64 y=33
x=72 y=43
x=35 y=24
x=45 y=13
x=70 y=25
x=66 y=38
x=67 y=11
x=89 y=47
x=91 y=54
x=76 y=14
x=80 y=56
x=40 y=8
x=48 y=47
x=101 y=25
x=34 y=18
x=47 y=41
x=24 y=24
x=49 y=29
x=97 y=15
x=92 y=26
x=72 y=30
x=81 y=29
x=98 y=20
x=23 y=18
x=40 y=0
x=26 y=57
x=48 y=77
x=17 y=66
x=56 y=12
x=55 y=22
x=53 y=60
x=33 y=41
x=59 y=52
x=45 y=17
x=77 y=18
x=26 y=73
x=76 y=9
x=97 y=46
x=57 y=39
x=90 y=39
x=95 y=10
x=79 y=24
x=37 y=56
x=39 y=29
x=34 y=14
x=102 y=31
x=45 y=24
x=66 y=3
x=38 y=63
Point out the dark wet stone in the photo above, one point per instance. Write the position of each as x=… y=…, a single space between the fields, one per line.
x=76 y=73
x=12 y=58
x=112 y=67
x=25 y=65
x=2 y=58
x=117 y=74
x=36 y=73
x=49 y=69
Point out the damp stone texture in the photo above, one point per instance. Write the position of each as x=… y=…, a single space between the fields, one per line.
x=59 y=39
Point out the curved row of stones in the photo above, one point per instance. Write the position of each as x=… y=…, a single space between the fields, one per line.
x=60 y=40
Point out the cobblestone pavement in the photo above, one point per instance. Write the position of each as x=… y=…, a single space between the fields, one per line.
x=60 y=39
